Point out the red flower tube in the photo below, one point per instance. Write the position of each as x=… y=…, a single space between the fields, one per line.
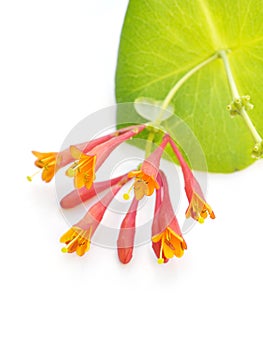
x=198 y=209
x=83 y=194
x=125 y=241
x=51 y=162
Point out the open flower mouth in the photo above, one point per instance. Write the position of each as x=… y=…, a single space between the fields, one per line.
x=198 y=209
x=144 y=185
x=76 y=240
x=47 y=163
x=83 y=169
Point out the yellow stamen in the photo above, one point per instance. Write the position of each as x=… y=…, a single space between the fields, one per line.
x=201 y=220
x=126 y=195
x=71 y=172
x=30 y=178
x=74 y=167
x=161 y=259
x=144 y=185
x=65 y=250
x=171 y=232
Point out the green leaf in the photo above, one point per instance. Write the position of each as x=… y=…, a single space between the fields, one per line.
x=162 y=40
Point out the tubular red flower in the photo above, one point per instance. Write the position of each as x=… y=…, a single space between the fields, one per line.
x=81 y=233
x=51 y=162
x=83 y=194
x=146 y=178
x=167 y=239
x=125 y=240
x=198 y=209
x=84 y=168
x=85 y=147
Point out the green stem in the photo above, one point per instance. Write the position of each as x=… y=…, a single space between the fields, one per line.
x=236 y=96
x=148 y=147
x=229 y=74
x=251 y=126
x=179 y=83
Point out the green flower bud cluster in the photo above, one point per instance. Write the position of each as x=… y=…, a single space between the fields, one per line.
x=238 y=104
x=258 y=150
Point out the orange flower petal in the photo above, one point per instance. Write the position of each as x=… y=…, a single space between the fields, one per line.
x=151 y=186
x=134 y=173
x=172 y=243
x=83 y=246
x=157 y=238
x=68 y=236
x=82 y=170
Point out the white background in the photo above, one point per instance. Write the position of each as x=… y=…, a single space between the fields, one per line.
x=57 y=66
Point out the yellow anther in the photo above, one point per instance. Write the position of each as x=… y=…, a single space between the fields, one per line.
x=126 y=195
x=70 y=172
x=64 y=250
x=160 y=260
x=201 y=220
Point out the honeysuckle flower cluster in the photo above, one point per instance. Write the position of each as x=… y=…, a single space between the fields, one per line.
x=82 y=161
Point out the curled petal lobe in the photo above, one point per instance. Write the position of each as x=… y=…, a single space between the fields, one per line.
x=46 y=162
x=174 y=245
